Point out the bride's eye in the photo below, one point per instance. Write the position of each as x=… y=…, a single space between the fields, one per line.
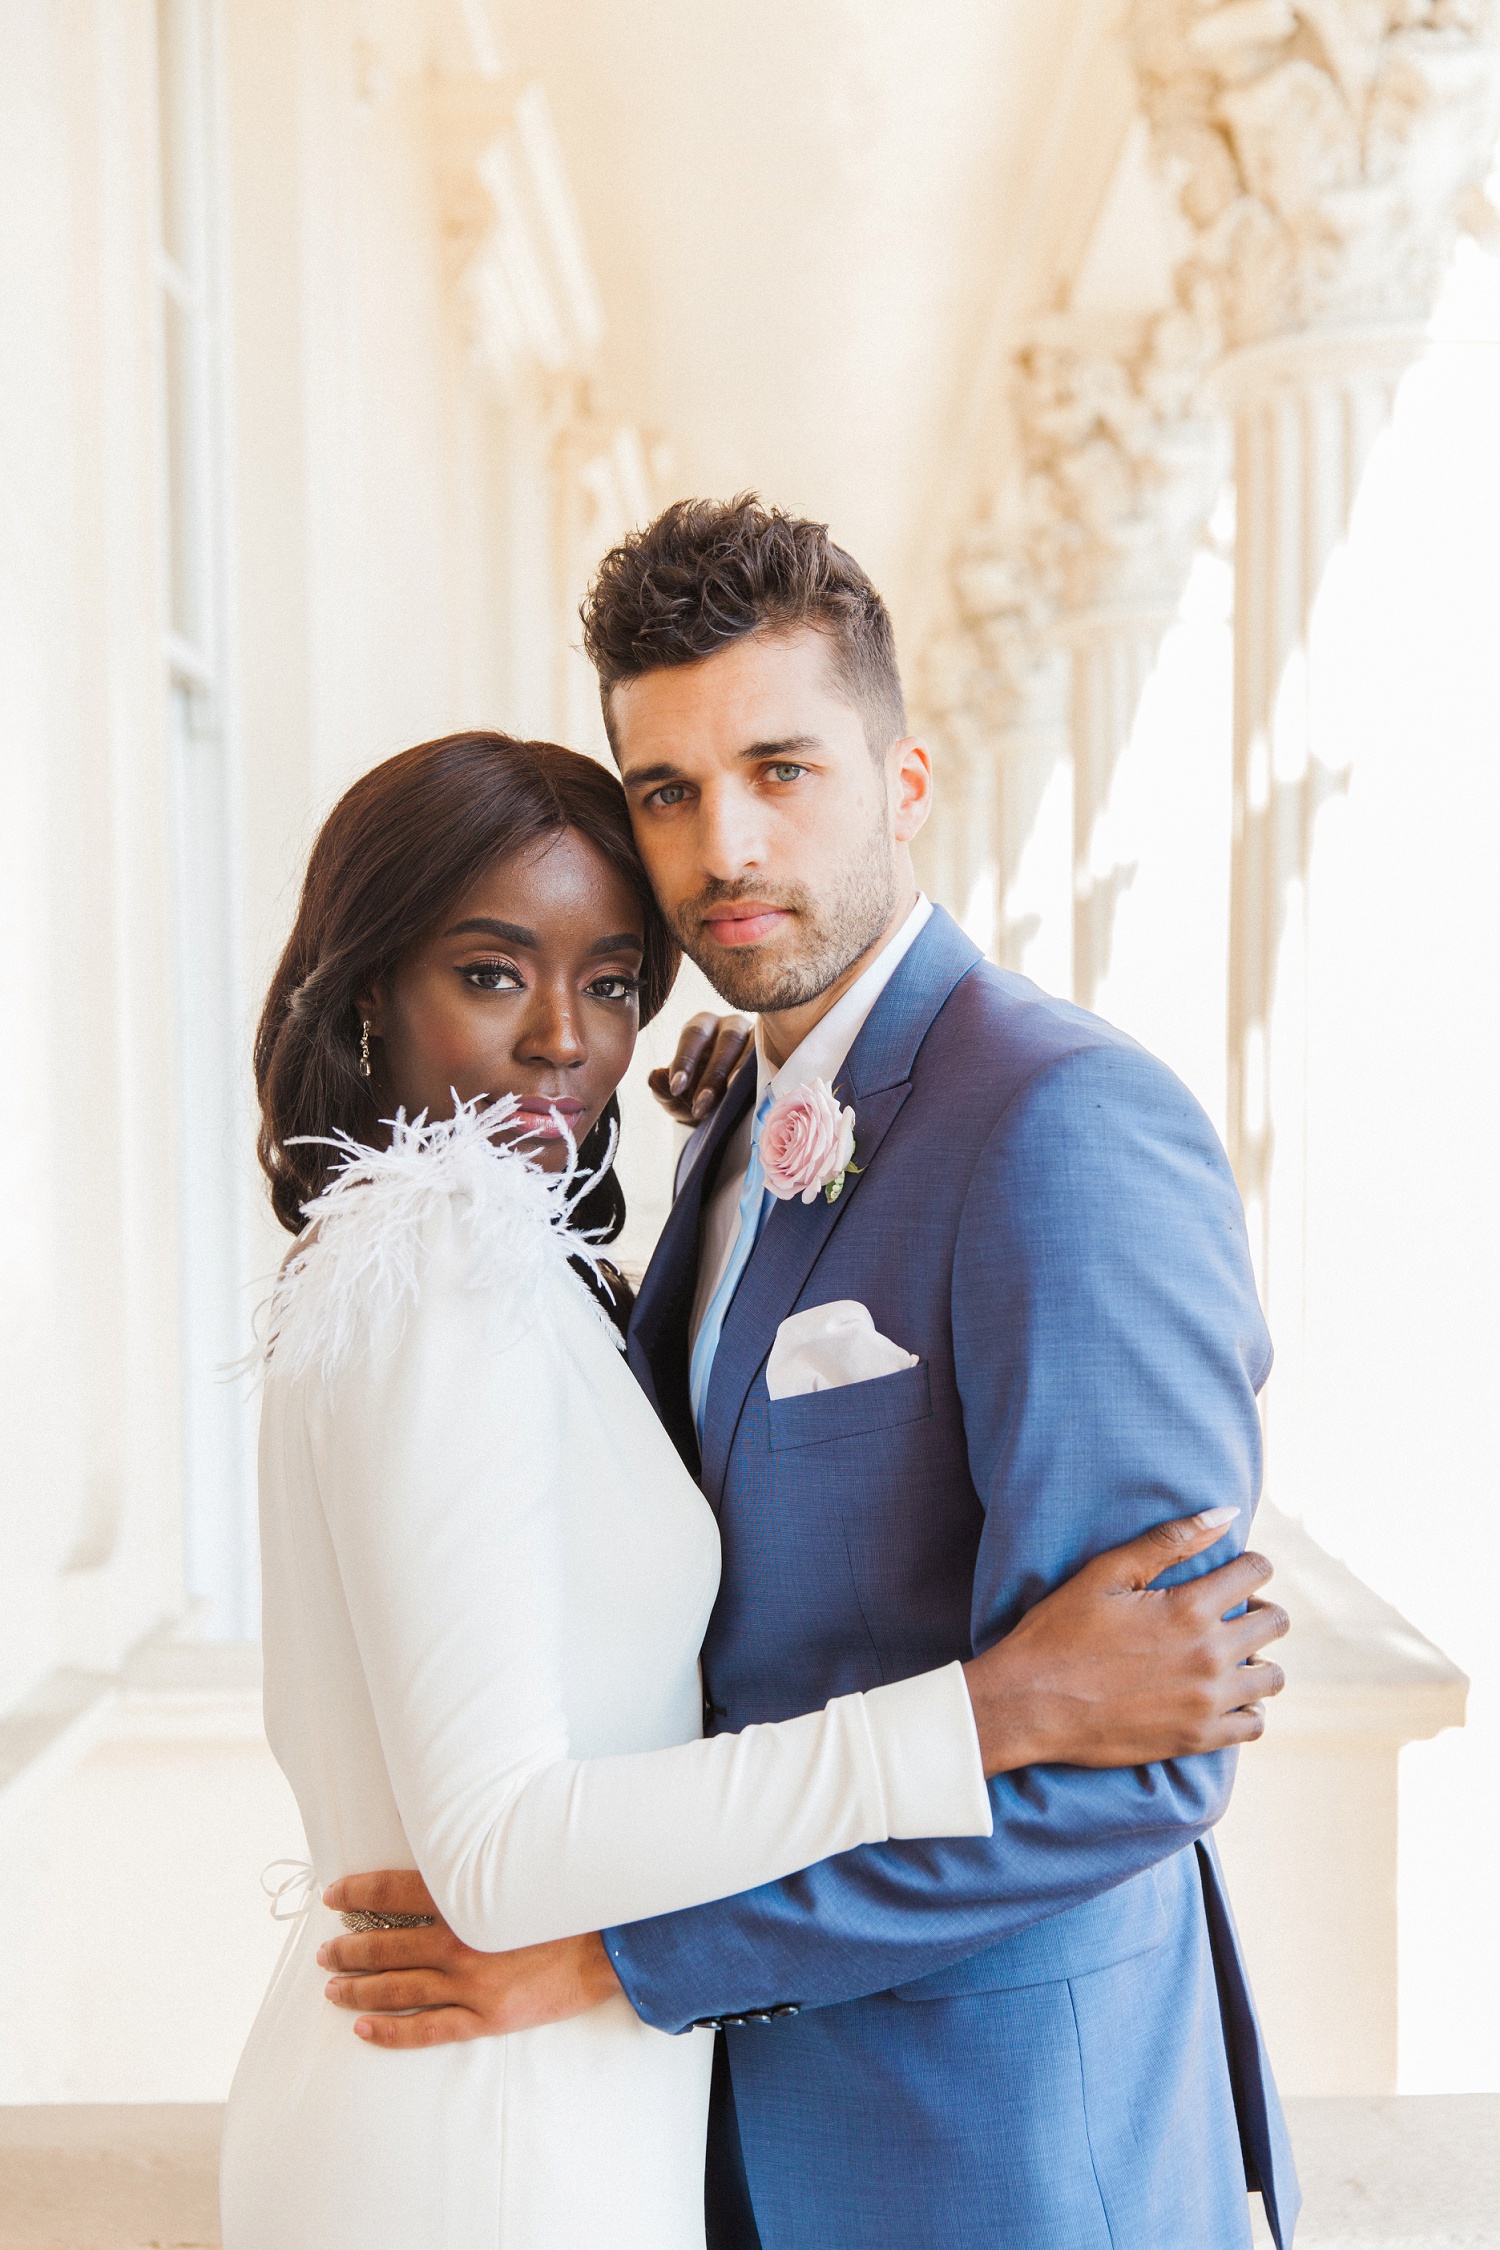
x=614 y=988
x=491 y=976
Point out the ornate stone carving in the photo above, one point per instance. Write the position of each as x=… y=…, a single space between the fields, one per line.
x=1115 y=475
x=989 y=663
x=992 y=690
x=1121 y=467
x=1090 y=541
x=1085 y=561
x=1325 y=152
x=515 y=250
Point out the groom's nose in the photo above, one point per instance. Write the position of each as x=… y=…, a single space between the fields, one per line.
x=731 y=834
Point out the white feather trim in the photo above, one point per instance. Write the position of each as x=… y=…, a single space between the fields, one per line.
x=361 y=1263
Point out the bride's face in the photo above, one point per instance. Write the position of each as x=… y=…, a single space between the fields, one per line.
x=530 y=986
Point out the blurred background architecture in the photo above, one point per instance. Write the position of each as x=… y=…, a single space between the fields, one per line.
x=1147 y=352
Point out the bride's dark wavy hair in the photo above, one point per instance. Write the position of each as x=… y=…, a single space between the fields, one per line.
x=398 y=849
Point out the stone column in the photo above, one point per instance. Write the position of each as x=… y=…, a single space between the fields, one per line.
x=1063 y=589
x=1310 y=1840
x=1324 y=154
x=1122 y=468
x=1034 y=801
x=994 y=690
x=1307 y=410
x=1112 y=652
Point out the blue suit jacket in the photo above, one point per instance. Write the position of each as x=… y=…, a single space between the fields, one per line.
x=1044 y=2039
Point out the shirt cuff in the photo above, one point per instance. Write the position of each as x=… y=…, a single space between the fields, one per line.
x=927 y=1748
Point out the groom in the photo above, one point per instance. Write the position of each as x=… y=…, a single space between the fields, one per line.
x=1043 y=2038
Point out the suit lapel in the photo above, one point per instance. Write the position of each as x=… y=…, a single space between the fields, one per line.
x=790 y=1245
x=876 y=1079
x=657 y=1346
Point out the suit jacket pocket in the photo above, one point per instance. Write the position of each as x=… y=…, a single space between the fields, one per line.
x=1130 y=1919
x=851 y=1409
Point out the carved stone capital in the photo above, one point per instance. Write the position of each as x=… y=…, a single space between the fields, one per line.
x=1116 y=470
x=1122 y=466
x=515 y=251
x=1324 y=152
x=994 y=667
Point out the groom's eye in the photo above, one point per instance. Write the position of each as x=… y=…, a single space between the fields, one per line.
x=670 y=793
x=787 y=772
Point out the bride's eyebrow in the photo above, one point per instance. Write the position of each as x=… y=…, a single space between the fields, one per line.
x=511 y=932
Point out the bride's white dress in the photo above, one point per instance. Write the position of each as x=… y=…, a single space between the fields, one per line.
x=487 y=1576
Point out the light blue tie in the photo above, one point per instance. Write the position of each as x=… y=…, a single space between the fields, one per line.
x=755 y=1201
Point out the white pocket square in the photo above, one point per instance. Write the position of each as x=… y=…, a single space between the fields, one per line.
x=830 y=1345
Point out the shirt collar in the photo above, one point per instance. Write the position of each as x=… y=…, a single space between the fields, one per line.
x=823 y=1053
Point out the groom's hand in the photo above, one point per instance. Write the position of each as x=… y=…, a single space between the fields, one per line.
x=1109 y=1670
x=461 y=1994
x=710 y=1050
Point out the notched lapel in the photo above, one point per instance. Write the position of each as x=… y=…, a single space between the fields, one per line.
x=790 y=1245
x=658 y=1329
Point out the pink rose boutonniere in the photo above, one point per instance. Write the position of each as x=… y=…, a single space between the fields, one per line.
x=806 y=1144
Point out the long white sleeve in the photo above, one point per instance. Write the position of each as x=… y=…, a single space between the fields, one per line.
x=441 y=1451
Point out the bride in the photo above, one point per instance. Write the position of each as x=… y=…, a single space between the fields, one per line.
x=487 y=1573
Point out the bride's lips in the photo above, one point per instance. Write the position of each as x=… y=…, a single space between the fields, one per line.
x=550 y=1119
x=744 y=923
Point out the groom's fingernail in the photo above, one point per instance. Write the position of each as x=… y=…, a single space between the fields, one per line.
x=1211 y=1518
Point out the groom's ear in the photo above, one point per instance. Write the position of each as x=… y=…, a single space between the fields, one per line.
x=909 y=775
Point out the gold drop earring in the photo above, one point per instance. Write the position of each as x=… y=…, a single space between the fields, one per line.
x=364 y=1048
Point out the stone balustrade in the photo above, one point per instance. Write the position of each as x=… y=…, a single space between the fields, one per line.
x=1310 y=1839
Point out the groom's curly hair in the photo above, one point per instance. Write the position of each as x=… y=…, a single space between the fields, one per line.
x=709 y=572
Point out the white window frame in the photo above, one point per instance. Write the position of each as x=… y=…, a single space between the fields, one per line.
x=220 y=1550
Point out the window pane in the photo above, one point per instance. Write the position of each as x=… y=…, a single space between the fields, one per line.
x=218 y=1420
x=173 y=83
x=184 y=565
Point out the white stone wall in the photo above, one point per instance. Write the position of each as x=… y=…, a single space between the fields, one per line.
x=90 y=1489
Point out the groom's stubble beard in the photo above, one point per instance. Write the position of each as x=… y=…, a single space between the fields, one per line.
x=832 y=931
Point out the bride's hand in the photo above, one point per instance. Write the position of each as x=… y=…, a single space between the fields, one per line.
x=461 y=1994
x=1108 y=1670
x=709 y=1052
